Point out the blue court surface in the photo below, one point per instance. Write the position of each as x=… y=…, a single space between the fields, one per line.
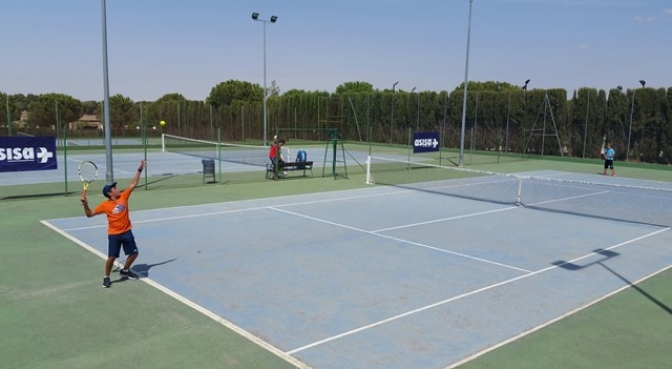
x=382 y=277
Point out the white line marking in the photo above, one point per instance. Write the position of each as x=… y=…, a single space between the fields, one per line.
x=455 y=298
x=512 y=339
x=445 y=219
x=402 y=240
x=570 y=198
x=206 y=214
x=276 y=207
x=290 y=359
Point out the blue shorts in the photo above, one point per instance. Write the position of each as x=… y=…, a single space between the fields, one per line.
x=117 y=241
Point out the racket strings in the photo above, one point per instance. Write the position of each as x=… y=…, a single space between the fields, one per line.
x=88 y=172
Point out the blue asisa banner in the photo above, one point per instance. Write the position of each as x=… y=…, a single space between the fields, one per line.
x=426 y=142
x=27 y=153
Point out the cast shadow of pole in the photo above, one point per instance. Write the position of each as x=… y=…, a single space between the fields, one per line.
x=639 y=289
x=607 y=255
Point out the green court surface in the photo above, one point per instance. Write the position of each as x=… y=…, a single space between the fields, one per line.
x=54 y=313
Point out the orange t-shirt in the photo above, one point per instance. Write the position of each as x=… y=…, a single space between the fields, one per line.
x=118 y=220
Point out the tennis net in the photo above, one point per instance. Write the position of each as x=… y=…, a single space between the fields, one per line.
x=638 y=204
x=234 y=153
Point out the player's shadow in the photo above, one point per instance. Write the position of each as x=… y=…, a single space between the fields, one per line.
x=142 y=270
x=607 y=255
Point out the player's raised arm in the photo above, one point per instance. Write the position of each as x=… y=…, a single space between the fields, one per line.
x=85 y=202
x=136 y=178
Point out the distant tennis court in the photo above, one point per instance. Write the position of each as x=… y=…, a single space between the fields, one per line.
x=391 y=276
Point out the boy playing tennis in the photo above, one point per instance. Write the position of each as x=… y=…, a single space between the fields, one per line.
x=609 y=160
x=118 y=225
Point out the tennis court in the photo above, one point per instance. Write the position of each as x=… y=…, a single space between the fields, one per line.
x=385 y=276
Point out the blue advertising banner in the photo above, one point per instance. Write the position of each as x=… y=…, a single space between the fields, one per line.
x=426 y=142
x=27 y=153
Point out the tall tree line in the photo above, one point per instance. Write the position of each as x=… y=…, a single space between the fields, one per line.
x=500 y=116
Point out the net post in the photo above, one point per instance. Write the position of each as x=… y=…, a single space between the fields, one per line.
x=143 y=131
x=368 y=170
x=163 y=142
x=520 y=190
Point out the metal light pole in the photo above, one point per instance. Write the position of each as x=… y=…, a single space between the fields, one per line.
x=506 y=134
x=585 y=126
x=212 y=131
x=417 y=123
x=394 y=87
x=607 y=119
x=9 y=117
x=632 y=111
x=255 y=16
x=109 y=172
x=466 y=83
x=524 y=113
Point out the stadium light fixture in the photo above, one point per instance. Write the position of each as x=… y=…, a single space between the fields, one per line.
x=255 y=17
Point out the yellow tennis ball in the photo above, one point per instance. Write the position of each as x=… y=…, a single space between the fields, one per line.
x=163 y=123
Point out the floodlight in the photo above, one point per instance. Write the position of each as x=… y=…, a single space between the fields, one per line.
x=255 y=16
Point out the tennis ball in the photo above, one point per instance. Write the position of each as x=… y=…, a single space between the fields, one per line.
x=163 y=123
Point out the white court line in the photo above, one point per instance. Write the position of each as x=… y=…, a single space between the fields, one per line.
x=206 y=214
x=402 y=240
x=534 y=329
x=570 y=198
x=445 y=219
x=221 y=320
x=455 y=298
x=290 y=359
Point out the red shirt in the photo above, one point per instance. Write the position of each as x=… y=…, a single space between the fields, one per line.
x=274 y=152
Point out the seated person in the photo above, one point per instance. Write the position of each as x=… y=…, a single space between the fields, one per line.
x=274 y=154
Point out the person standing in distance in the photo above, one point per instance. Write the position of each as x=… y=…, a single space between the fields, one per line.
x=119 y=233
x=609 y=160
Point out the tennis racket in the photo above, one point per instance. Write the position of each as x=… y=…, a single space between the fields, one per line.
x=88 y=172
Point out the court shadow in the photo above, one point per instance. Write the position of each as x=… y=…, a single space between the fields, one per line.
x=607 y=255
x=142 y=270
x=38 y=195
x=640 y=290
